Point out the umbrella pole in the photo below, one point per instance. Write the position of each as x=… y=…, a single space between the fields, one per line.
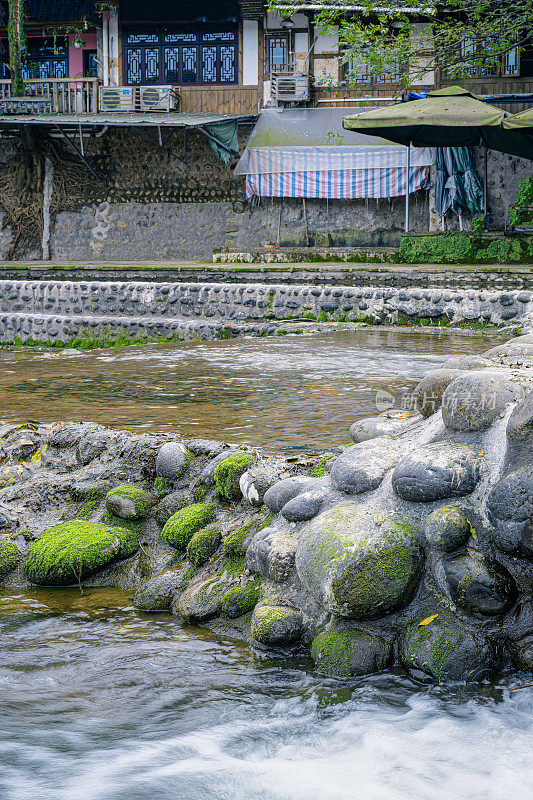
x=407 y=182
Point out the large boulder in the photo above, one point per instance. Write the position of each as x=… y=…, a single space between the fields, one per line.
x=474 y=400
x=68 y=553
x=281 y=492
x=201 y=600
x=436 y=644
x=520 y=424
x=479 y=585
x=428 y=393
x=362 y=467
x=510 y=510
x=342 y=651
x=276 y=626
x=437 y=471
x=358 y=568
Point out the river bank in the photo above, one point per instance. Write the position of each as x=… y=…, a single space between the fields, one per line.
x=410 y=547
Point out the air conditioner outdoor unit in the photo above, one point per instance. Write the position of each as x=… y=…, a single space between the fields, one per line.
x=158 y=98
x=117 y=98
x=290 y=88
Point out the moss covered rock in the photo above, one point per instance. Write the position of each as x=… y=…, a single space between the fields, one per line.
x=201 y=600
x=240 y=600
x=181 y=527
x=72 y=551
x=355 y=567
x=9 y=558
x=276 y=626
x=344 y=652
x=128 y=502
x=228 y=473
x=478 y=584
x=234 y=542
x=436 y=644
x=202 y=545
x=157 y=593
x=447 y=528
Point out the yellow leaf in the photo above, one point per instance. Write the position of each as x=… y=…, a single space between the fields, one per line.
x=427 y=620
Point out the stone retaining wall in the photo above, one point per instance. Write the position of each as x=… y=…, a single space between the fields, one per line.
x=59 y=310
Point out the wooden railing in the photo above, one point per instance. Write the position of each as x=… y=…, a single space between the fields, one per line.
x=499 y=86
x=227 y=100
x=344 y=96
x=59 y=95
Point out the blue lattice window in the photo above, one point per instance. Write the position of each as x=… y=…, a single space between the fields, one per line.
x=192 y=56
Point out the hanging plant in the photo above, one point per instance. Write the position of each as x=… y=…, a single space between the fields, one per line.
x=77 y=42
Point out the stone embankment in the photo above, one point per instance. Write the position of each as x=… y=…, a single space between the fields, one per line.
x=62 y=311
x=413 y=546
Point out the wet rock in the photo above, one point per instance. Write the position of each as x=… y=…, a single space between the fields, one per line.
x=207 y=476
x=510 y=510
x=201 y=447
x=520 y=424
x=304 y=506
x=388 y=423
x=436 y=472
x=355 y=567
x=345 y=652
x=271 y=554
x=181 y=527
x=241 y=600
x=437 y=645
x=276 y=626
x=474 y=400
x=22 y=449
x=228 y=474
x=256 y=481
x=283 y=491
x=157 y=593
x=201 y=601
x=203 y=544
x=467 y=362
x=480 y=585
x=171 y=461
x=9 y=558
x=93 y=445
x=428 y=393
x=170 y=504
x=362 y=467
x=447 y=528
x=70 y=552
x=524 y=655
x=128 y=502
x=69 y=435
x=516 y=353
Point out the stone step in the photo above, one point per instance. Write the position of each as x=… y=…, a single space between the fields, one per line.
x=454 y=276
x=295 y=255
x=171 y=305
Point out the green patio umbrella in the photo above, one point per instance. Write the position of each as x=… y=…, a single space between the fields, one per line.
x=450 y=117
x=515 y=136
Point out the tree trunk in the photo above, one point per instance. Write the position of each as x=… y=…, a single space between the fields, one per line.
x=17 y=41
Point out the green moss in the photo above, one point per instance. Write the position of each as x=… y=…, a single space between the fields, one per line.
x=88 y=507
x=319 y=468
x=228 y=472
x=9 y=558
x=134 y=526
x=234 y=541
x=235 y=566
x=463 y=248
x=181 y=527
x=429 y=646
x=164 y=486
x=240 y=600
x=267 y=618
x=69 y=552
x=200 y=491
x=139 y=497
x=202 y=545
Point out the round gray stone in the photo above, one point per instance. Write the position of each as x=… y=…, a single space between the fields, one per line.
x=304 y=506
x=283 y=491
x=428 y=393
x=447 y=528
x=171 y=503
x=256 y=481
x=436 y=472
x=388 y=423
x=271 y=554
x=467 y=362
x=157 y=593
x=171 y=460
x=474 y=400
x=480 y=585
x=343 y=651
x=362 y=467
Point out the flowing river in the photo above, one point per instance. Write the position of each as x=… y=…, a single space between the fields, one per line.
x=288 y=393
x=101 y=702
